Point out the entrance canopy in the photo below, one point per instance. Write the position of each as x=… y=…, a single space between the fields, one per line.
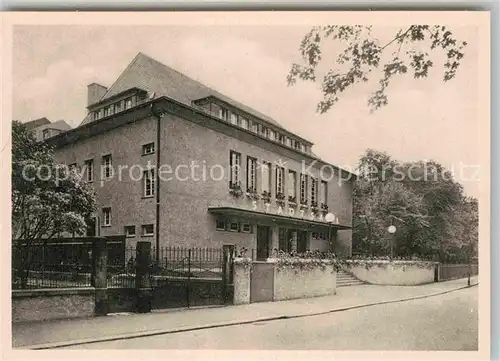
x=266 y=217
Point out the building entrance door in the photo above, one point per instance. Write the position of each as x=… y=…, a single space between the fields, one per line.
x=262 y=243
x=301 y=241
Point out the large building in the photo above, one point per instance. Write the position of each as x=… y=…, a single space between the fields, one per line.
x=179 y=164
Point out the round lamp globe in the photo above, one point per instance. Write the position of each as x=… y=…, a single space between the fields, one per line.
x=329 y=217
x=391 y=229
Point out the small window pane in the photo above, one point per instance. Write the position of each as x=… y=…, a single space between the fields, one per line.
x=147 y=230
x=247 y=228
x=219 y=225
x=130 y=231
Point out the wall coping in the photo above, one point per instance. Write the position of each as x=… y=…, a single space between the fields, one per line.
x=384 y=261
x=49 y=292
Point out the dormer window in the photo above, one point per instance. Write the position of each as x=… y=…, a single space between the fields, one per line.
x=233 y=118
x=255 y=127
x=128 y=103
x=244 y=123
x=270 y=134
x=46 y=133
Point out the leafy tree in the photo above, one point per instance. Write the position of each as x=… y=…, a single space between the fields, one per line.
x=431 y=214
x=360 y=53
x=47 y=199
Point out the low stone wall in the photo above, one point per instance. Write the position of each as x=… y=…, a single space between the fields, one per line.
x=396 y=273
x=51 y=304
x=288 y=282
x=291 y=283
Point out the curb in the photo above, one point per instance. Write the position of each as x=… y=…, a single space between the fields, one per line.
x=158 y=332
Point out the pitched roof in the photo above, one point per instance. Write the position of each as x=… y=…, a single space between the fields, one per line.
x=151 y=75
x=36 y=123
x=59 y=125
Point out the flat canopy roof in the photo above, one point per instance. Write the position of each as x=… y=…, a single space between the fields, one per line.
x=247 y=213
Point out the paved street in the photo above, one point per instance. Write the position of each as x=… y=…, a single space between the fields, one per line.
x=445 y=322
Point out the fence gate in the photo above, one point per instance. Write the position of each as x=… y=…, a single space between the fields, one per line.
x=188 y=277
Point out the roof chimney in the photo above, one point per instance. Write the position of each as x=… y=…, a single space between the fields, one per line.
x=95 y=93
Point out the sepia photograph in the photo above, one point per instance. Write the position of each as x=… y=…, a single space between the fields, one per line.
x=248 y=181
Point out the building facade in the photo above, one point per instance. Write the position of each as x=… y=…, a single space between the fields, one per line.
x=179 y=164
x=43 y=128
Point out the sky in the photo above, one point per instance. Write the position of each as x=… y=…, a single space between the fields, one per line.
x=425 y=119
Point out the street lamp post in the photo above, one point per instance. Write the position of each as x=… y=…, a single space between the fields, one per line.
x=330 y=217
x=392 y=231
x=470 y=263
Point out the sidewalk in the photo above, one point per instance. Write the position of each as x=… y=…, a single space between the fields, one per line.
x=77 y=331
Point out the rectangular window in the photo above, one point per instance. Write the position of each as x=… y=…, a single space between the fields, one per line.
x=266 y=177
x=280 y=180
x=106 y=164
x=148 y=148
x=270 y=134
x=233 y=118
x=234 y=226
x=105 y=112
x=45 y=133
x=281 y=138
x=244 y=123
x=288 y=142
x=118 y=107
x=251 y=175
x=255 y=127
x=148 y=229
x=234 y=164
x=303 y=188
x=292 y=184
x=223 y=114
x=303 y=148
x=149 y=183
x=220 y=225
x=246 y=228
x=323 y=192
x=106 y=217
x=314 y=191
x=215 y=110
x=89 y=170
x=263 y=131
x=130 y=231
x=111 y=109
x=128 y=103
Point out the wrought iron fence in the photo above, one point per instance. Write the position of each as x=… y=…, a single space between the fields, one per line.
x=174 y=263
x=51 y=265
x=58 y=263
x=121 y=267
x=181 y=262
